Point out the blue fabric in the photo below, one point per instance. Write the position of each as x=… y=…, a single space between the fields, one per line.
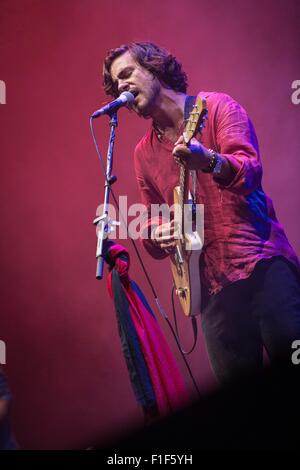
x=138 y=291
x=135 y=361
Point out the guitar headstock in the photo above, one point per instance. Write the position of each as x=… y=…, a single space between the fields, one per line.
x=196 y=120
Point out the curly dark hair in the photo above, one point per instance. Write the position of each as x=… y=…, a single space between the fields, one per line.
x=157 y=60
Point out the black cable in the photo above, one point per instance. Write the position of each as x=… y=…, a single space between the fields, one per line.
x=135 y=247
x=194 y=325
x=120 y=213
x=144 y=268
x=176 y=336
x=97 y=148
x=183 y=357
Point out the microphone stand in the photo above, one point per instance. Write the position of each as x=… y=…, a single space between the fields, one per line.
x=103 y=222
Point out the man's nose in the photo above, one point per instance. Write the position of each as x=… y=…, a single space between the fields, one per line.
x=123 y=86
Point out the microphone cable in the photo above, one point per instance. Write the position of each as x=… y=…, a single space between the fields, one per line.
x=157 y=301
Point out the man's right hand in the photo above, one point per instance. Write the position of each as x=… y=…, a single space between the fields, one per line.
x=165 y=236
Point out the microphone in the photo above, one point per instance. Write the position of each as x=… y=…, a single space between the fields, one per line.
x=125 y=98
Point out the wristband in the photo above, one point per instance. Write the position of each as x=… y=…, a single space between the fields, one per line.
x=213 y=162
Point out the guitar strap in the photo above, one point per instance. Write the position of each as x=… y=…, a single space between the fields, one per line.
x=188 y=106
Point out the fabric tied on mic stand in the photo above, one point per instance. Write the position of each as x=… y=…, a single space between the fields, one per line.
x=154 y=374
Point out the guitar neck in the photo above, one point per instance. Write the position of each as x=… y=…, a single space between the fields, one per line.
x=195 y=123
x=184 y=190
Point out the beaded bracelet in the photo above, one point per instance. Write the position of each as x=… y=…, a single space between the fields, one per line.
x=212 y=163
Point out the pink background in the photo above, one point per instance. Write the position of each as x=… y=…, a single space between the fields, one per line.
x=64 y=362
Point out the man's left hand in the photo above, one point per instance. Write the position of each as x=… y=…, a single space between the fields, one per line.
x=194 y=156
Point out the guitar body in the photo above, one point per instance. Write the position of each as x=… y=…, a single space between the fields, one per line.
x=189 y=219
x=185 y=263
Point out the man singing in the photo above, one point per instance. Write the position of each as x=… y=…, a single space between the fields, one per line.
x=249 y=272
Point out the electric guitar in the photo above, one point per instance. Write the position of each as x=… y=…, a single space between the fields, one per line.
x=187 y=215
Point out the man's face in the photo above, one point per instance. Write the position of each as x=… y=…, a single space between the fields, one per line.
x=128 y=75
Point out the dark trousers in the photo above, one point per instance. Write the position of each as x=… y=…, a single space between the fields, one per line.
x=260 y=311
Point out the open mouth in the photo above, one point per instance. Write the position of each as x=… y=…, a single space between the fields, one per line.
x=134 y=92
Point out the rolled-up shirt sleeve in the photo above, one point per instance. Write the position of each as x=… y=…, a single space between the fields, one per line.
x=237 y=142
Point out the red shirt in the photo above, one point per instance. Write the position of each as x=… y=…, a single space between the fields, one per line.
x=240 y=225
